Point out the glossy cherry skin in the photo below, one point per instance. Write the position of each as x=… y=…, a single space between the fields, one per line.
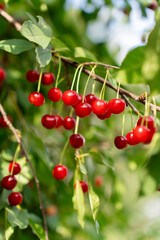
x=98 y=181
x=151 y=134
x=55 y=94
x=2 y=75
x=36 y=98
x=141 y=133
x=83 y=110
x=116 y=106
x=3 y=124
x=70 y=97
x=32 y=76
x=59 y=172
x=147 y=121
x=49 y=121
x=90 y=98
x=120 y=142
x=131 y=139
x=59 y=120
x=106 y=115
x=16 y=168
x=99 y=107
x=9 y=182
x=84 y=186
x=15 y=198
x=48 y=78
x=80 y=100
x=76 y=140
x=69 y=123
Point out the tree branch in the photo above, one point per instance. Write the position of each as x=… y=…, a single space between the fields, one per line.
x=19 y=141
x=10 y=19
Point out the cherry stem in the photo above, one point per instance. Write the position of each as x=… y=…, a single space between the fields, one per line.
x=131 y=119
x=118 y=90
x=60 y=108
x=93 y=86
x=75 y=74
x=39 y=81
x=63 y=151
x=154 y=111
x=123 y=122
x=146 y=104
x=78 y=80
x=59 y=71
x=77 y=124
x=6 y=218
x=85 y=88
x=15 y=157
x=71 y=112
x=101 y=96
x=51 y=107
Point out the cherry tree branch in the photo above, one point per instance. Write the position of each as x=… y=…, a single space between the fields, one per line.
x=19 y=141
x=10 y=19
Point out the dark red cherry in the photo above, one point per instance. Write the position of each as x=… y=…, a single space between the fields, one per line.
x=48 y=78
x=99 y=107
x=80 y=100
x=16 y=168
x=2 y=75
x=49 y=121
x=131 y=139
x=90 y=98
x=59 y=172
x=141 y=133
x=120 y=142
x=55 y=94
x=70 y=97
x=147 y=121
x=153 y=6
x=116 y=106
x=83 y=110
x=59 y=120
x=15 y=198
x=76 y=140
x=9 y=182
x=36 y=98
x=84 y=186
x=151 y=134
x=32 y=76
x=3 y=124
x=69 y=123
x=106 y=115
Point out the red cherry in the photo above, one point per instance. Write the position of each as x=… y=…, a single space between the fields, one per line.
x=59 y=120
x=84 y=186
x=48 y=78
x=49 y=121
x=59 y=172
x=9 y=182
x=55 y=94
x=80 y=100
x=15 y=198
x=32 y=76
x=147 y=121
x=83 y=110
x=153 y=5
x=98 y=181
x=90 y=98
x=76 y=140
x=131 y=139
x=141 y=133
x=106 y=115
x=120 y=142
x=16 y=168
x=2 y=75
x=70 y=97
x=36 y=98
x=3 y=124
x=151 y=134
x=99 y=107
x=69 y=123
x=116 y=106
x=2 y=6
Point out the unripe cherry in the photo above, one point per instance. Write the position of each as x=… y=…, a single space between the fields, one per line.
x=36 y=98
x=48 y=78
x=16 y=168
x=76 y=140
x=9 y=182
x=59 y=172
x=49 y=121
x=99 y=107
x=32 y=76
x=15 y=198
x=83 y=110
x=120 y=142
x=69 y=123
x=70 y=97
x=55 y=94
x=116 y=106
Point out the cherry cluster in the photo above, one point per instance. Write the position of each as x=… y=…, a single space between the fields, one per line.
x=142 y=133
x=9 y=182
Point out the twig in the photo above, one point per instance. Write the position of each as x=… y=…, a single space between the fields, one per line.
x=19 y=141
x=10 y=19
x=130 y=104
x=100 y=64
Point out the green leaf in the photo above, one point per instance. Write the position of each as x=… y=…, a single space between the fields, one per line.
x=9 y=231
x=17 y=217
x=44 y=27
x=112 y=81
x=37 y=229
x=43 y=56
x=137 y=88
x=84 y=54
x=16 y=46
x=98 y=158
x=33 y=19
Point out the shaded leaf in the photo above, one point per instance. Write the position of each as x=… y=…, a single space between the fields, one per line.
x=16 y=46
x=94 y=201
x=17 y=217
x=37 y=229
x=84 y=53
x=43 y=56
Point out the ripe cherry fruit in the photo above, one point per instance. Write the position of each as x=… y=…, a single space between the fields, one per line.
x=76 y=140
x=80 y=100
x=16 y=168
x=32 y=76
x=2 y=75
x=49 y=121
x=99 y=107
x=3 y=124
x=84 y=186
x=131 y=139
x=116 y=106
x=90 y=98
x=120 y=142
x=70 y=97
x=48 y=78
x=36 y=98
x=59 y=172
x=147 y=121
x=141 y=133
x=83 y=110
x=59 y=120
x=15 y=198
x=105 y=116
x=69 y=123
x=55 y=94
x=151 y=134
x=9 y=182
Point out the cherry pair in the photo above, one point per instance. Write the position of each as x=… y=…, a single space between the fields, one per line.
x=47 y=77
x=55 y=121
